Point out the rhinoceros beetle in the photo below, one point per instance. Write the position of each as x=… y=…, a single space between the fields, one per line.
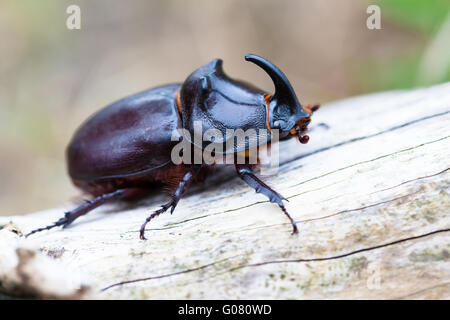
x=124 y=150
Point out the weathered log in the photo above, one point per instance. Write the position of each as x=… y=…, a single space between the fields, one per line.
x=370 y=194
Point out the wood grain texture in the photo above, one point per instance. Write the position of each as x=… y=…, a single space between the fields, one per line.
x=370 y=194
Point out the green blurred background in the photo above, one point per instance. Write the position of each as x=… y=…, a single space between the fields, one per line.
x=52 y=78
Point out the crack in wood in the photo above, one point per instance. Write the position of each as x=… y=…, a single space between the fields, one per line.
x=275 y=261
x=412 y=180
x=371 y=160
x=167 y=275
x=341 y=255
x=368 y=136
x=440 y=285
x=359 y=208
x=330 y=215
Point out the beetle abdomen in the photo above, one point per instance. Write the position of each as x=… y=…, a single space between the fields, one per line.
x=126 y=138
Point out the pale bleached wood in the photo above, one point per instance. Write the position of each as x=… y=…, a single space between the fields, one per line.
x=370 y=195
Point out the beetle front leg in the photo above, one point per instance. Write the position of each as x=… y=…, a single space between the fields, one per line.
x=181 y=188
x=246 y=173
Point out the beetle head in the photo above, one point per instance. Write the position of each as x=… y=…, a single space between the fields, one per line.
x=285 y=111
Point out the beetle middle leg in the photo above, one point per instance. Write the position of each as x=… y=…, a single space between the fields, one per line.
x=181 y=188
x=245 y=172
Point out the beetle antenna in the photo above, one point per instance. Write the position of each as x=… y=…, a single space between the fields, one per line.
x=312 y=108
x=315 y=107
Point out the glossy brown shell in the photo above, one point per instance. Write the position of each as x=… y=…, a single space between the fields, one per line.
x=127 y=138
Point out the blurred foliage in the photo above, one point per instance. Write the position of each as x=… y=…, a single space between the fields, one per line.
x=425 y=16
x=422 y=18
x=395 y=73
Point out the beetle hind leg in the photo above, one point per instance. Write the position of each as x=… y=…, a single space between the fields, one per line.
x=246 y=173
x=181 y=188
x=84 y=208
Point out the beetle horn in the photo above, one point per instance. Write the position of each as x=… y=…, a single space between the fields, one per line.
x=284 y=93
